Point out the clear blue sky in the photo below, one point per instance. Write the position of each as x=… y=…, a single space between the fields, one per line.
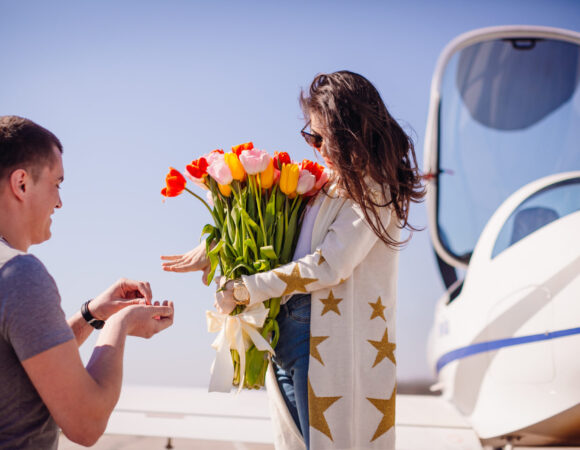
x=134 y=87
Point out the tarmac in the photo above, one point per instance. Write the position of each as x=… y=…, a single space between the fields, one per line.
x=118 y=442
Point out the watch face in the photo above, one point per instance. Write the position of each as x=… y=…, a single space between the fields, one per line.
x=241 y=293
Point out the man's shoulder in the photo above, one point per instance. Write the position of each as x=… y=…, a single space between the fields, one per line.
x=7 y=253
x=24 y=267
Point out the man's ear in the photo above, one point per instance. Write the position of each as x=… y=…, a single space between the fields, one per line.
x=19 y=182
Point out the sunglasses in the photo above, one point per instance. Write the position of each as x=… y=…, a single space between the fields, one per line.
x=313 y=139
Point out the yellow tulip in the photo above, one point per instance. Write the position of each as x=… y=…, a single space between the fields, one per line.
x=289 y=178
x=225 y=189
x=267 y=176
x=233 y=162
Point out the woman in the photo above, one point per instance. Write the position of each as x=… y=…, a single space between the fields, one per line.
x=333 y=381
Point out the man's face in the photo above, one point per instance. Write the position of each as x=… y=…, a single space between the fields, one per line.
x=44 y=198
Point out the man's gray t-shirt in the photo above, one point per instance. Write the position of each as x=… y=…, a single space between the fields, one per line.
x=31 y=321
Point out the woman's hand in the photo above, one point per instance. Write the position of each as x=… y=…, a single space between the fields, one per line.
x=191 y=261
x=224 y=297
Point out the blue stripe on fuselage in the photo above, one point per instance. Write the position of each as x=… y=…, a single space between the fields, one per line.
x=481 y=347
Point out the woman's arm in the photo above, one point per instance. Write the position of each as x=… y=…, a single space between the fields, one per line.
x=347 y=242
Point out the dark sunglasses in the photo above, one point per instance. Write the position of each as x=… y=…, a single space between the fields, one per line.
x=313 y=139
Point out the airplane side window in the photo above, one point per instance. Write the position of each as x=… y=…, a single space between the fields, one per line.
x=537 y=211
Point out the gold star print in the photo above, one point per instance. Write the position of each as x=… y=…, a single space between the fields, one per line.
x=317 y=407
x=294 y=281
x=330 y=304
x=321 y=259
x=378 y=309
x=314 y=341
x=385 y=348
x=387 y=408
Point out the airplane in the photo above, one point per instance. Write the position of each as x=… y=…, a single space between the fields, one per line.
x=502 y=159
x=502 y=155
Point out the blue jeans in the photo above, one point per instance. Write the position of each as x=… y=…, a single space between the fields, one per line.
x=291 y=360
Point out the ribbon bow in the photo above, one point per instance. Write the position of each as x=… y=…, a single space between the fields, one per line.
x=238 y=333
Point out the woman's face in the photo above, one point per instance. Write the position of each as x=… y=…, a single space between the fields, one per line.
x=316 y=127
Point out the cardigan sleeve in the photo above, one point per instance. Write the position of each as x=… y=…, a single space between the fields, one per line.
x=348 y=240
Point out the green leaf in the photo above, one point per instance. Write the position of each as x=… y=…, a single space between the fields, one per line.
x=249 y=243
x=235 y=272
x=249 y=221
x=261 y=265
x=290 y=238
x=213 y=256
x=279 y=232
x=274 y=307
x=207 y=229
x=270 y=217
x=268 y=252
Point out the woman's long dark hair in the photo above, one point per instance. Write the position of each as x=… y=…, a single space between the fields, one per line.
x=363 y=140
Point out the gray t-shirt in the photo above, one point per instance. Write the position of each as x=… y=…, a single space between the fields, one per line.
x=31 y=321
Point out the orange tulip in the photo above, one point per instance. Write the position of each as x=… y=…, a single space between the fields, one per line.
x=174 y=183
x=225 y=189
x=233 y=162
x=267 y=176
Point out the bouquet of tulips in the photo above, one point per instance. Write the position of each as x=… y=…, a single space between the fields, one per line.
x=256 y=201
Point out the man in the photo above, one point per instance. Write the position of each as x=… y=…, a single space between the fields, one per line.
x=43 y=383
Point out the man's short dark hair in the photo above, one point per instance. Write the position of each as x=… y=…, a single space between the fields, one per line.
x=25 y=145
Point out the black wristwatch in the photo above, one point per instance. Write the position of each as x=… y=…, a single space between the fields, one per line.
x=95 y=323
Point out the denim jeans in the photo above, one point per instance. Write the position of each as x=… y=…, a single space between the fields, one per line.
x=291 y=360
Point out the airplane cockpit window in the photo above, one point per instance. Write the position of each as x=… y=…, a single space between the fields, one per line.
x=537 y=211
x=509 y=114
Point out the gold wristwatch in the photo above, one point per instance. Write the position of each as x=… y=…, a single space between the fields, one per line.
x=241 y=293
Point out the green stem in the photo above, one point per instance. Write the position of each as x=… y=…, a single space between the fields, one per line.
x=203 y=201
x=259 y=205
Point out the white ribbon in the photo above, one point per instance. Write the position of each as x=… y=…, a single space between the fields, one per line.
x=238 y=333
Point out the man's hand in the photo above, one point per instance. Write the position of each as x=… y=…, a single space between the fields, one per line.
x=121 y=294
x=146 y=320
x=191 y=261
x=224 y=297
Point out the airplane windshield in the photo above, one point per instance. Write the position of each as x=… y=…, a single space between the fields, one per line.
x=509 y=114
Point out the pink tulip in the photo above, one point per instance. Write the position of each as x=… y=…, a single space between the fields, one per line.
x=200 y=182
x=219 y=170
x=319 y=183
x=209 y=198
x=322 y=180
x=306 y=182
x=211 y=156
x=254 y=161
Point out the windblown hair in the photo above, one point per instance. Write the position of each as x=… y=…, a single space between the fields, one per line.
x=363 y=140
x=25 y=145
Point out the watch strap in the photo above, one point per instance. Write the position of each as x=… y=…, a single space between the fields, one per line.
x=95 y=323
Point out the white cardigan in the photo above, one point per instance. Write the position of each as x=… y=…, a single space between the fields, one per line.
x=352 y=277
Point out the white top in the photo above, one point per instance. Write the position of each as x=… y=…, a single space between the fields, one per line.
x=305 y=237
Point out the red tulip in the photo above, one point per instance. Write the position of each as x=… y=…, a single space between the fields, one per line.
x=175 y=183
x=198 y=167
x=312 y=167
x=281 y=158
x=238 y=149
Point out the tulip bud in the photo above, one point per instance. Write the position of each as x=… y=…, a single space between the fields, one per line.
x=225 y=189
x=233 y=162
x=289 y=178
x=267 y=176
